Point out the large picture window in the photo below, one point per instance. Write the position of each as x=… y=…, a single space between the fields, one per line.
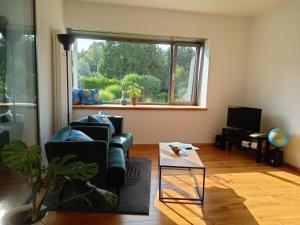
x=167 y=72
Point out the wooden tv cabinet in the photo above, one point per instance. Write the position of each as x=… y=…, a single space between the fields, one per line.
x=236 y=136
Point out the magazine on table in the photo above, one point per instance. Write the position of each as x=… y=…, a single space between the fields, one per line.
x=182 y=146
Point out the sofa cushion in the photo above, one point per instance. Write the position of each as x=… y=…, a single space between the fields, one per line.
x=116 y=171
x=123 y=141
x=61 y=135
x=77 y=135
x=90 y=96
x=76 y=98
x=101 y=118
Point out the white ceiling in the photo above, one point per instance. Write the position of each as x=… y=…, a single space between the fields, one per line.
x=244 y=8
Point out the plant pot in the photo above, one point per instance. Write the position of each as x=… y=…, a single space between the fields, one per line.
x=21 y=216
x=133 y=100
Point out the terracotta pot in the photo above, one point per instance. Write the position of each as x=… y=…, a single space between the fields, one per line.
x=133 y=100
x=18 y=215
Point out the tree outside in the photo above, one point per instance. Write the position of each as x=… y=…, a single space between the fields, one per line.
x=17 y=68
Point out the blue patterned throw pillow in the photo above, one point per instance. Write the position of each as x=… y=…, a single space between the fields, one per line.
x=76 y=98
x=76 y=135
x=90 y=96
x=102 y=118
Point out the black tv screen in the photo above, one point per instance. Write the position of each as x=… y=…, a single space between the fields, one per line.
x=244 y=118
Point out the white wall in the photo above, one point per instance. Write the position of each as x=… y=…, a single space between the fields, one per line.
x=228 y=38
x=274 y=72
x=49 y=17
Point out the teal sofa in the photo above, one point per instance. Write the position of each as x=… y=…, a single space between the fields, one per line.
x=120 y=139
x=110 y=159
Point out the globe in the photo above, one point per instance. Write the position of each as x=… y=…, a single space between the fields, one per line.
x=278 y=137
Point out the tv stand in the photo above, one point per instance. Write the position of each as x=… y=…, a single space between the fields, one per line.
x=236 y=136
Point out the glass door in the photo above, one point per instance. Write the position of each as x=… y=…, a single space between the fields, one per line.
x=18 y=74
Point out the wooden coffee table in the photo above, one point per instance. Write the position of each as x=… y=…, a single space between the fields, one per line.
x=190 y=161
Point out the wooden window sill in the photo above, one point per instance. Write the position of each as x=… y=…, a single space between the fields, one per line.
x=140 y=107
x=17 y=104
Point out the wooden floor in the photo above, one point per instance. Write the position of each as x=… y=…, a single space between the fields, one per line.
x=239 y=191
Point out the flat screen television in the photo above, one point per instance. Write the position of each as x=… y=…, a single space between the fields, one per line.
x=244 y=118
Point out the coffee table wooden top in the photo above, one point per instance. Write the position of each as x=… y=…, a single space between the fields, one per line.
x=167 y=158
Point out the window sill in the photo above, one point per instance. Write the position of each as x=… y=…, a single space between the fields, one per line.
x=17 y=104
x=141 y=107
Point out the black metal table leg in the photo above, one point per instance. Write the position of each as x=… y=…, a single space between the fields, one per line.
x=200 y=194
x=159 y=184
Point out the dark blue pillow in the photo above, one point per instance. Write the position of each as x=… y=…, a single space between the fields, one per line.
x=76 y=135
x=102 y=118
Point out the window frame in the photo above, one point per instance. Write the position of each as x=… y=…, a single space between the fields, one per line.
x=174 y=42
x=196 y=78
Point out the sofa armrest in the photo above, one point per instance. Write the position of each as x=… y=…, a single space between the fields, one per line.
x=88 y=124
x=96 y=132
x=86 y=151
x=116 y=171
x=117 y=121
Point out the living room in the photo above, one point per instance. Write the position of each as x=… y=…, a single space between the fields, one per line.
x=249 y=57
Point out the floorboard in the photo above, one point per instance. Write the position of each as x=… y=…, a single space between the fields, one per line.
x=239 y=191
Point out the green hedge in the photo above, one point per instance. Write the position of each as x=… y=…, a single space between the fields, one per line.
x=100 y=82
x=115 y=89
x=112 y=88
x=151 y=84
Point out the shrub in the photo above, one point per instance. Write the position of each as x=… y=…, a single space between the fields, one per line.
x=162 y=97
x=106 y=96
x=115 y=89
x=99 y=82
x=151 y=84
x=130 y=79
x=135 y=90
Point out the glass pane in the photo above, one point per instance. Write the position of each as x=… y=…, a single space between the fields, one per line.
x=117 y=66
x=184 y=75
x=18 y=111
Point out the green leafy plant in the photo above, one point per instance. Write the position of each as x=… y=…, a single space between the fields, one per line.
x=134 y=90
x=27 y=161
x=131 y=79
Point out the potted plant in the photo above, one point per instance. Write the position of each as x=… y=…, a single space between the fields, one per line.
x=27 y=161
x=134 y=92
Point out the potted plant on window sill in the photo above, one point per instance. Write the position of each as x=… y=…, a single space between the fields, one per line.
x=134 y=92
x=27 y=161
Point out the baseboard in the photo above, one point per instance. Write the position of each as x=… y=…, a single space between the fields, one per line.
x=292 y=167
x=199 y=145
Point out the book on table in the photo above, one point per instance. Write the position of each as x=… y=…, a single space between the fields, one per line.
x=182 y=146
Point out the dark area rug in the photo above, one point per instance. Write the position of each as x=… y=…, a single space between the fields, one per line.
x=134 y=196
